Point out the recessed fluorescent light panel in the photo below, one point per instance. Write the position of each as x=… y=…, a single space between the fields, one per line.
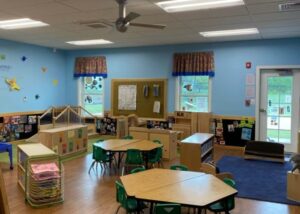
x=20 y=24
x=236 y=32
x=189 y=5
x=90 y=42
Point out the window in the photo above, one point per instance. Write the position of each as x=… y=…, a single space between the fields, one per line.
x=92 y=95
x=194 y=93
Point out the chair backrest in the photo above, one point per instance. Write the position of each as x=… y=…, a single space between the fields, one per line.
x=209 y=168
x=157 y=141
x=99 y=154
x=180 y=167
x=230 y=201
x=121 y=197
x=128 y=137
x=167 y=209
x=134 y=156
x=120 y=193
x=138 y=169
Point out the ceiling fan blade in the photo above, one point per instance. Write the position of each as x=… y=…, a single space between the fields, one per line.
x=131 y=16
x=156 y=26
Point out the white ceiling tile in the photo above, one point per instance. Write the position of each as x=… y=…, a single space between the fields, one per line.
x=89 y=4
x=41 y=9
x=8 y=4
x=287 y=34
x=276 y=16
x=263 y=8
x=260 y=1
x=229 y=11
x=281 y=29
x=278 y=23
x=146 y=9
x=218 y=21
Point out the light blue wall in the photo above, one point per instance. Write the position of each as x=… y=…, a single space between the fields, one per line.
x=30 y=77
x=228 y=86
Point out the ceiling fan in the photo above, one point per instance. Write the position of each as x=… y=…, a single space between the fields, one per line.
x=124 y=21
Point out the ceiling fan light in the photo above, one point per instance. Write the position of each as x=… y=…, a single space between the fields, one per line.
x=235 y=32
x=173 y=6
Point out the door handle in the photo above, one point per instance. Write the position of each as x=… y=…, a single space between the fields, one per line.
x=262 y=110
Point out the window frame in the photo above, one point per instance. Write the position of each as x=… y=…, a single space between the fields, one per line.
x=178 y=94
x=80 y=95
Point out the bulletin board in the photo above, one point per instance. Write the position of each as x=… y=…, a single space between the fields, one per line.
x=232 y=131
x=148 y=93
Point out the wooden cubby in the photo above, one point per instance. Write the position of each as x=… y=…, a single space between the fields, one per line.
x=191 y=122
x=65 y=141
x=196 y=149
x=167 y=137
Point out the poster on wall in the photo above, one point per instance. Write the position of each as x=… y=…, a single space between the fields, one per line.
x=127 y=97
x=32 y=119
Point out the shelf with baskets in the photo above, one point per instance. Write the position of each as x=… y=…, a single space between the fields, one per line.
x=40 y=175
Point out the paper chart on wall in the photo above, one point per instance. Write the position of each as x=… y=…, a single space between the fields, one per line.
x=127 y=97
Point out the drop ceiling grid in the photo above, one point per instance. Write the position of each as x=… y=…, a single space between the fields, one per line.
x=64 y=15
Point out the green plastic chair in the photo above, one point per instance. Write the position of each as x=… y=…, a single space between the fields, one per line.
x=100 y=156
x=167 y=209
x=129 y=204
x=138 y=169
x=128 y=137
x=157 y=141
x=133 y=158
x=155 y=156
x=180 y=167
x=228 y=203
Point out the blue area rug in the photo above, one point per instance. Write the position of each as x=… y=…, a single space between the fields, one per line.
x=259 y=180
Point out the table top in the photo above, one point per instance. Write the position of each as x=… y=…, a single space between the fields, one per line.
x=199 y=191
x=183 y=187
x=114 y=143
x=120 y=145
x=197 y=138
x=35 y=149
x=154 y=179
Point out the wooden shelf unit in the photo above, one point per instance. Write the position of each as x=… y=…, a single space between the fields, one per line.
x=65 y=141
x=37 y=153
x=191 y=122
x=293 y=185
x=167 y=137
x=196 y=149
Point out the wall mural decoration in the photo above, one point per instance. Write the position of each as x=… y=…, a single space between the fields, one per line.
x=24 y=58
x=13 y=85
x=44 y=69
x=55 y=82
